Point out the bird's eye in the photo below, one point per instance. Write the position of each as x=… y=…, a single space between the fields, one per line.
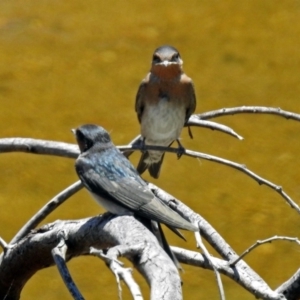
x=156 y=58
x=85 y=144
x=175 y=57
x=88 y=144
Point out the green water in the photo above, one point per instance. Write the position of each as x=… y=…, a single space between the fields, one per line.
x=63 y=64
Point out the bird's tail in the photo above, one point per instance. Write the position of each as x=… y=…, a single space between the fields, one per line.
x=158 y=232
x=165 y=245
x=146 y=163
x=156 y=229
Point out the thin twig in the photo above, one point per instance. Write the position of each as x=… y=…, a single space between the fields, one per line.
x=3 y=244
x=119 y=271
x=244 y=169
x=261 y=242
x=249 y=110
x=47 y=209
x=240 y=167
x=195 y=121
x=215 y=269
x=63 y=151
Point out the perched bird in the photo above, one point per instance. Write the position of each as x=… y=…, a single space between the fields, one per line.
x=115 y=184
x=164 y=102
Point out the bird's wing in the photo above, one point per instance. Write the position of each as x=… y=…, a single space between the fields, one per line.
x=192 y=97
x=127 y=189
x=114 y=179
x=139 y=100
x=140 y=199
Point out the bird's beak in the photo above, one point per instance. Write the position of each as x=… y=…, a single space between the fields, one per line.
x=165 y=63
x=73 y=131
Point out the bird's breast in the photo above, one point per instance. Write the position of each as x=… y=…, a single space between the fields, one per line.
x=111 y=206
x=163 y=120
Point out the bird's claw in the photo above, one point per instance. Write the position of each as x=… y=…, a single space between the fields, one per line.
x=142 y=144
x=190 y=132
x=180 y=150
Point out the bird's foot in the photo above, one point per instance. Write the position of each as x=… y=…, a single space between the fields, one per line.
x=143 y=144
x=190 y=132
x=180 y=149
x=140 y=144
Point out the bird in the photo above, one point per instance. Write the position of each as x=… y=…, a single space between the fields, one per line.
x=164 y=103
x=116 y=185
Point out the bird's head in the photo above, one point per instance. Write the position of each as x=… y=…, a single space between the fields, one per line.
x=166 y=61
x=89 y=135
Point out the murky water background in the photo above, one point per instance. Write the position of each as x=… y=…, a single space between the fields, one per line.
x=63 y=64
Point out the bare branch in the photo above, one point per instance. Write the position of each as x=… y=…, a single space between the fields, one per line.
x=240 y=167
x=249 y=110
x=195 y=121
x=116 y=267
x=36 y=146
x=244 y=169
x=215 y=269
x=3 y=244
x=261 y=242
x=62 y=150
x=100 y=232
x=251 y=281
x=291 y=288
x=47 y=209
x=238 y=274
x=209 y=233
x=59 y=256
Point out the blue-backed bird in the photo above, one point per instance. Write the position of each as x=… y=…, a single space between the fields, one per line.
x=164 y=102
x=116 y=185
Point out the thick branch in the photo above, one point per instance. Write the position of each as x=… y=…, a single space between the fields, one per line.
x=291 y=288
x=59 y=256
x=199 y=260
x=252 y=281
x=101 y=233
x=63 y=149
x=36 y=146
